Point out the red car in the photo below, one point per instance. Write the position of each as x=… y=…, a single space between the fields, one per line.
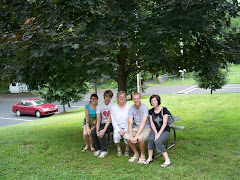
x=35 y=107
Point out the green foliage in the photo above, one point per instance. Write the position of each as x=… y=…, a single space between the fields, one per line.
x=192 y=22
x=212 y=80
x=4 y=86
x=4 y=90
x=50 y=52
x=108 y=84
x=64 y=95
x=50 y=148
x=65 y=42
x=132 y=82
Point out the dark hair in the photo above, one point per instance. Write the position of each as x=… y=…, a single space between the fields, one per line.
x=94 y=95
x=157 y=97
x=108 y=93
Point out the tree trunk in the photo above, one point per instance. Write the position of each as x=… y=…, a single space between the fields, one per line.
x=64 y=110
x=95 y=86
x=122 y=81
x=211 y=91
x=122 y=74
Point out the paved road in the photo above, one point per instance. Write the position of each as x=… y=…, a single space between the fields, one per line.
x=7 y=117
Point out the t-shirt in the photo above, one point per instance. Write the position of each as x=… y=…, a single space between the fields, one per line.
x=91 y=112
x=138 y=114
x=120 y=117
x=104 y=110
x=158 y=118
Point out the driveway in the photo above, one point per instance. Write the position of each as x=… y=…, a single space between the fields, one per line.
x=7 y=117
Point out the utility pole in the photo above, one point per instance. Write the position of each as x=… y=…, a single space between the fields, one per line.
x=139 y=85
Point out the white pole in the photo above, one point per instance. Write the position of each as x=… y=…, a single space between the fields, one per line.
x=139 y=86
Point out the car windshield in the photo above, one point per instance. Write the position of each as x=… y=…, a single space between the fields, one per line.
x=38 y=102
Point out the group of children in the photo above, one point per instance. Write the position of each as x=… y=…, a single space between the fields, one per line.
x=133 y=123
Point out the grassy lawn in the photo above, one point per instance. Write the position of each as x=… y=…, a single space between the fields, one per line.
x=50 y=148
x=234 y=75
x=173 y=81
x=233 y=78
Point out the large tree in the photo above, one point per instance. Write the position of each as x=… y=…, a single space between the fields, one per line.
x=75 y=41
x=149 y=33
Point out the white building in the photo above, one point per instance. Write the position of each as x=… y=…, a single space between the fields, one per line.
x=18 y=88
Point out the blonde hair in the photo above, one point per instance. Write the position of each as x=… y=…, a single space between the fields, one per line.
x=136 y=93
x=120 y=93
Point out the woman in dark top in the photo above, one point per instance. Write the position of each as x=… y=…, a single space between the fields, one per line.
x=158 y=117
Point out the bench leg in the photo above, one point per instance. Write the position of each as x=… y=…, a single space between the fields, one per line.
x=174 y=143
x=110 y=135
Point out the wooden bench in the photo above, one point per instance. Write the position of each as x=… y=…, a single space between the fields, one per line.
x=174 y=128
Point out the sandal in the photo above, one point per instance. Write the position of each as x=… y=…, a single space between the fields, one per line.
x=85 y=149
x=126 y=153
x=147 y=162
x=132 y=159
x=165 y=165
x=93 y=149
x=141 y=161
x=119 y=152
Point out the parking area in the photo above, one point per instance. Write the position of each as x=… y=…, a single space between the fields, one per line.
x=7 y=117
x=229 y=88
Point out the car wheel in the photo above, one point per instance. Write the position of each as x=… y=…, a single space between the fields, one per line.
x=18 y=113
x=38 y=114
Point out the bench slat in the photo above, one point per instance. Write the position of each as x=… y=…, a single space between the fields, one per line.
x=177 y=127
x=176 y=118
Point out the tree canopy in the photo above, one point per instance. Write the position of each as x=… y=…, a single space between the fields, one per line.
x=58 y=42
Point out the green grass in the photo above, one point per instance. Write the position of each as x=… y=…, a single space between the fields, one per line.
x=234 y=75
x=107 y=84
x=50 y=148
x=173 y=81
x=233 y=78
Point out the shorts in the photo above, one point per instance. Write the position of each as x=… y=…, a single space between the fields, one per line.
x=91 y=119
x=144 y=134
x=117 y=137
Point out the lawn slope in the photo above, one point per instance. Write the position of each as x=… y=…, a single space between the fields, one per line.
x=50 y=148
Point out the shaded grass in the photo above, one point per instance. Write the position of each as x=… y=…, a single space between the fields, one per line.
x=50 y=148
x=4 y=90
